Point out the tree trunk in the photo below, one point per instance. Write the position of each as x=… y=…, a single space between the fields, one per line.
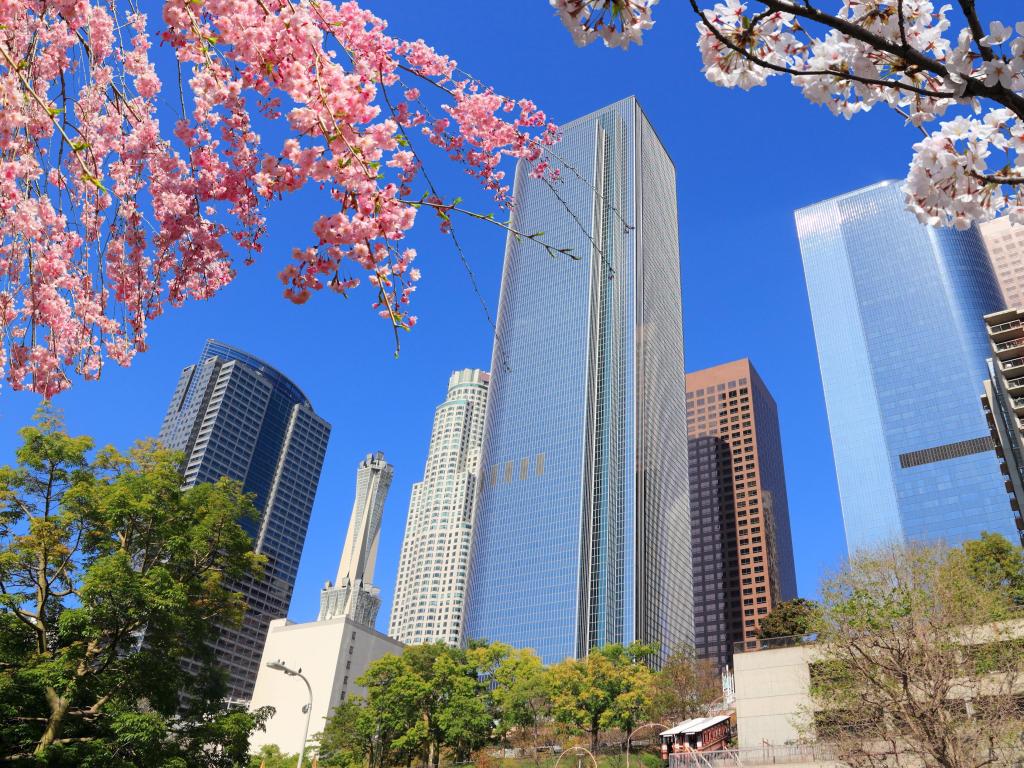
x=594 y=732
x=58 y=708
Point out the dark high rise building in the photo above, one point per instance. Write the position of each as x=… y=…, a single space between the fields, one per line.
x=581 y=532
x=233 y=415
x=739 y=514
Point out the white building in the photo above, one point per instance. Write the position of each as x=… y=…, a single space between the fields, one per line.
x=353 y=593
x=335 y=650
x=773 y=697
x=331 y=655
x=430 y=592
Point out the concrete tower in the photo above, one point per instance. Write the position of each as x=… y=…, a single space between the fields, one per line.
x=353 y=594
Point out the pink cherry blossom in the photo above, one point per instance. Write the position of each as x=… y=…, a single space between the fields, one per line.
x=113 y=207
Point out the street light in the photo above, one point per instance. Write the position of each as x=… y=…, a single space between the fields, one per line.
x=280 y=666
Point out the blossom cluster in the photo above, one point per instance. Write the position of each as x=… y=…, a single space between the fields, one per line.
x=112 y=208
x=903 y=55
x=618 y=23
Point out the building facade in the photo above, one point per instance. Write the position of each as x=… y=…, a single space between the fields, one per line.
x=739 y=512
x=232 y=415
x=353 y=594
x=581 y=533
x=1003 y=401
x=332 y=655
x=430 y=591
x=897 y=310
x=1005 y=244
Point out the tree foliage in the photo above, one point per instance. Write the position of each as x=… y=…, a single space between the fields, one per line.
x=798 y=616
x=610 y=688
x=919 y=660
x=418 y=705
x=684 y=687
x=111 y=574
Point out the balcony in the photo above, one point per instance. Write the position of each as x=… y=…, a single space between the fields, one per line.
x=1011 y=348
x=1006 y=331
x=1018 y=405
x=1012 y=368
x=1015 y=386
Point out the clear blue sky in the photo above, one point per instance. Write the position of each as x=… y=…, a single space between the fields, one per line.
x=745 y=161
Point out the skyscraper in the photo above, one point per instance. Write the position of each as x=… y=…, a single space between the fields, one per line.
x=430 y=593
x=897 y=310
x=353 y=593
x=1005 y=244
x=581 y=533
x=739 y=512
x=1003 y=401
x=232 y=415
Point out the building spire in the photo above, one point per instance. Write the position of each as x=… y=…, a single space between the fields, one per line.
x=353 y=594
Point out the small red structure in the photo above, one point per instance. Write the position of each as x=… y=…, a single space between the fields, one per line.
x=701 y=734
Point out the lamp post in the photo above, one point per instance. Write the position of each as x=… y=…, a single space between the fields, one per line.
x=280 y=666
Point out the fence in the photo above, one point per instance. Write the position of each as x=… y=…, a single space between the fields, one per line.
x=786 y=754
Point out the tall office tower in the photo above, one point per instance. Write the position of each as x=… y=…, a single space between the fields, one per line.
x=1003 y=401
x=353 y=593
x=897 y=310
x=739 y=513
x=581 y=534
x=1005 y=244
x=232 y=415
x=430 y=593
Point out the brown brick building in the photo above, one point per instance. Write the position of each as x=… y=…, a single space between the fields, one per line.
x=742 y=548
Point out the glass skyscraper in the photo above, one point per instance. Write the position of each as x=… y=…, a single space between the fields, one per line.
x=897 y=309
x=581 y=531
x=232 y=415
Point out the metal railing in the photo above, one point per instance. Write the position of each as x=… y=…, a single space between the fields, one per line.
x=749 y=646
x=1011 y=344
x=1012 y=363
x=786 y=754
x=1005 y=326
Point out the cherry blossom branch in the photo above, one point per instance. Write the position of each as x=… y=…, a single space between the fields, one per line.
x=536 y=237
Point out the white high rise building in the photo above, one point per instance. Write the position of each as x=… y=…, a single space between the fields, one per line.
x=430 y=593
x=353 y=594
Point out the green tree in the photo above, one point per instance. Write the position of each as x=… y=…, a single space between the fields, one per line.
x=793 y=617
x=684 y=687
x=998 y=565
x=521 y=693
x=608 y=689
x=271 y=756
x=347 y=737
x=110 y=575
x=429 y=700
x=915 y=663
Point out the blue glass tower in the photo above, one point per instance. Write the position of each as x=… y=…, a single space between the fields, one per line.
x=897 y=309
x=581 y=531
x=232 y=415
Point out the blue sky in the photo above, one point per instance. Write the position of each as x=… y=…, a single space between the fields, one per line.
x=744 y=161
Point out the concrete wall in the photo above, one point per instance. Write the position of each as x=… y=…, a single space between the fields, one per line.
x=331 y=655
x=772 y=694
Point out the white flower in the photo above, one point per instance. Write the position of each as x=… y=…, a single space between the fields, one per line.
x=617 y=22
x=997 y=71
x=997 y=34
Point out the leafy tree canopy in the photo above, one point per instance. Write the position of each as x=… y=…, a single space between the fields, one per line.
x=793 y=617
x=110 y=575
